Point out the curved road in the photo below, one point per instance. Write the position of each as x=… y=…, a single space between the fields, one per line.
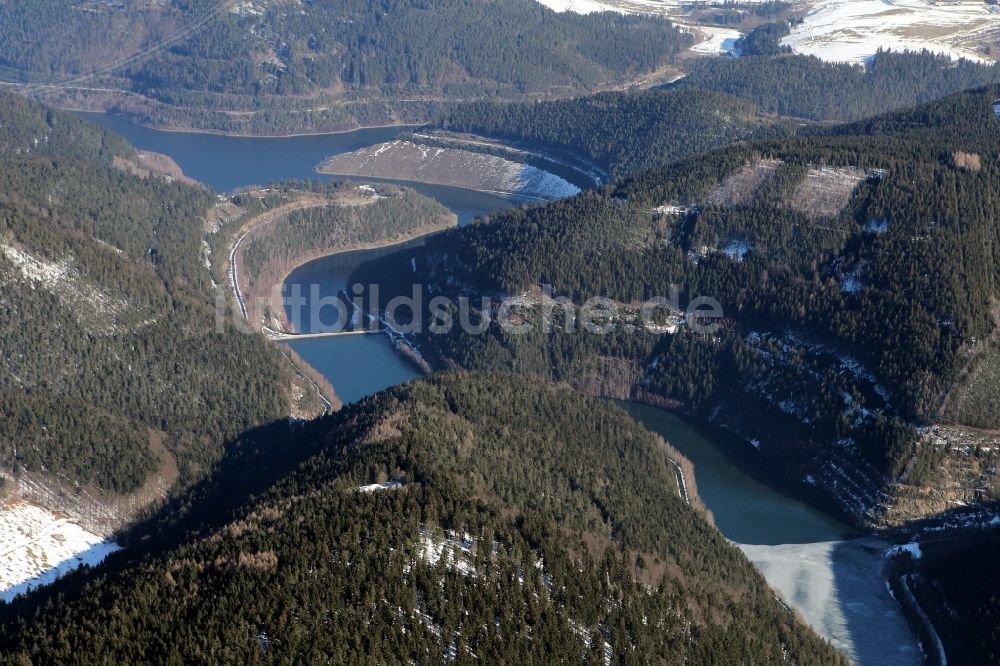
x=271 y=217
x=234 y=281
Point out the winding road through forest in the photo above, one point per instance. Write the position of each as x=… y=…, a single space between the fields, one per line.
x=269 y=218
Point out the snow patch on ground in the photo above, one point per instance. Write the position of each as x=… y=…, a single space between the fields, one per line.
x=206 y=260
x=579 y=6
x=86 y=300
x=877 y=227
x=842 y=30
x=671 y=209
x=37 y=547
x=456 y=551
x=839 y=31
x=735 y=248
x=246 y=8
x=979 y=518
x=716 y=40
x=39 y=271
x=653 y=7
x=853 y=283
x=375 y=487
x=371 y=192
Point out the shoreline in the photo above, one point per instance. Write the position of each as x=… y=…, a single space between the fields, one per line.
x=528 y=199
x=240 y=135
x=331 y=400
x=416 y=235
x=300 y=364
x=402 y=349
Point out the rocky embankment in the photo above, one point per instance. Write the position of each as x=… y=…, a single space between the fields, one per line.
x=456 y=167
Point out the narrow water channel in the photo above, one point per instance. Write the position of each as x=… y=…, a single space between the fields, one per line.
x=815 y=561
x=357 y=366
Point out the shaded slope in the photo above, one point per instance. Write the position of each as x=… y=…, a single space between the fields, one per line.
x=524 y=522
x=270 y=66
x=113 y=365
x=848 y=317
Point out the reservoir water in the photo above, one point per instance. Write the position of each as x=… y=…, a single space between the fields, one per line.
x=748 y=506
x=811 y=557
x=227 y=162
x=357 y=366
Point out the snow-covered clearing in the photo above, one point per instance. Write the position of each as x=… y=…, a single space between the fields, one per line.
x=842 y=31
x=580 y=6
x=715 y=40
x=655 y=7
x=37 y=547
x=838 y=588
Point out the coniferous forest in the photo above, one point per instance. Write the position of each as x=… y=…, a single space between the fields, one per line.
x=378 y=60
x=846 y=316
x=719 y=101
x=514 y=522
x=107 y=311
x=844 y=218
x=964 y=609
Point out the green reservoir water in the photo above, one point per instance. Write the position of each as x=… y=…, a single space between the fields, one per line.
x=732 y=480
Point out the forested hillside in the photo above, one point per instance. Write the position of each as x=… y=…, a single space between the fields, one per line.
x=320 y=64
x=957 y=584
x=462 y=517
x=856 y=271
x=719 y=102
x=624 y=133
x=807 y=87
x=113 y=365
x=290 y=224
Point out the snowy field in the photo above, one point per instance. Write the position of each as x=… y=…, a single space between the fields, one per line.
x=409 y=161
x=37 y=547
x=841 y=31
x=838 y=588
x=845 y=30
x=658 y=7
x=715 y=40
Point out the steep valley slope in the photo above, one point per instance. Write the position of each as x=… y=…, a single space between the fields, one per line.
x=461 y=517
x=118 y=383
x=855 y=269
